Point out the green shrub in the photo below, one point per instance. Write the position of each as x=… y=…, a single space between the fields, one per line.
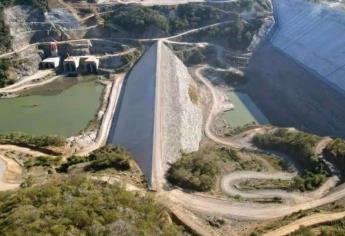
x=80 y=206
x=138 y=18
x=47 y=161
x=335 y=153
x=32 y=140
x=299 y=145
x=109 y=157
x=102 y=158
x=198 y=170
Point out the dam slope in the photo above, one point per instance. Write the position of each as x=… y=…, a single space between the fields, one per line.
x=156 y=119
x=314 y=35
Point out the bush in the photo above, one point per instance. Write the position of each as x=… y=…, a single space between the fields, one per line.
x=309 y=181
x=47 y=161
x=38 y=141
x=198 y=170
x=335 y=153
x=299 y=145
x=79 y=206
x=103 y=158
x=137 y=18
x=109 y=157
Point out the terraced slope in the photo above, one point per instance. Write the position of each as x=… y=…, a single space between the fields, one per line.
x=313 y=34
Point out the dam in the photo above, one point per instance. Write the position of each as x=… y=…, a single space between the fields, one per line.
x=155 y=118
x=314 y=35
x=296 y=77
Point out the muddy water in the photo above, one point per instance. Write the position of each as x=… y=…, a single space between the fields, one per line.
x=245 y=111
x=63 y=107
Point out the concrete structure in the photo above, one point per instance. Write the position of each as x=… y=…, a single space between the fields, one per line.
x=71 y=64
x=314 y=35
x=155 y=119
x=50 y=63
x=91 y=64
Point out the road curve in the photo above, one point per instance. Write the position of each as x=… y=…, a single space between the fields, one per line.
x=241 y=210
x=228 y=186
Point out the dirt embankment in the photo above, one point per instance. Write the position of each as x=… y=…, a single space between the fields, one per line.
x=289 y=95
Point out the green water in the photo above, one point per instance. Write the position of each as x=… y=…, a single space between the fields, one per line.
x=245 y=111
x=65 y=113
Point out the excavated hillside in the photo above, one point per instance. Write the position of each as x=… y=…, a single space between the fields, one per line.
x=156 y=119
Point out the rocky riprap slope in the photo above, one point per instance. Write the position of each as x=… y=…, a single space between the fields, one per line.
x=156 y=119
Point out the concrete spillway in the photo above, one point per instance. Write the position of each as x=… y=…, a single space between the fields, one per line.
x=156 y=119
x=314 y=35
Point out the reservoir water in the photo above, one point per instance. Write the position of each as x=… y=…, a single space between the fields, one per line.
x=245 y=111
x=53 y=109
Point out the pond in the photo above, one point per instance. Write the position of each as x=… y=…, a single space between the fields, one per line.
x=245 y=111
x=64 y=107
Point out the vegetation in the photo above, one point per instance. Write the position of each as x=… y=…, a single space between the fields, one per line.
x=79 y=206
x=109 y=157
x=236 y=34
x=185 y=17
x=300 y=146
x=328 y=229
x=47 y=161
x=309 y=181
x=194 y=56
x=103 y=158
x=335 y=153
x=266 y=184
x=5 y=38
x=4 y=80
x=193 y=93
x=198 y=170
x=38 y=141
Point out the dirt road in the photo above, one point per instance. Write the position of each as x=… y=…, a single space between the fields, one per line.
x=228 y=186
x=248 y=211
x=305 y=222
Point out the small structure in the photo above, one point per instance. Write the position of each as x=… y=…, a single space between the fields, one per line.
x=50 y=63
x=91 y=65
x=71 y=64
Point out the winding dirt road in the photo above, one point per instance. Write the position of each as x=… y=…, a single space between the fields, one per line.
x=247 y=211
x=228 y=186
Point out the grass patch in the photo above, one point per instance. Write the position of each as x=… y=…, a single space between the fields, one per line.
x=193 y=93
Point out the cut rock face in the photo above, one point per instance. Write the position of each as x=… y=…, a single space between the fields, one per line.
x=156 y=119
